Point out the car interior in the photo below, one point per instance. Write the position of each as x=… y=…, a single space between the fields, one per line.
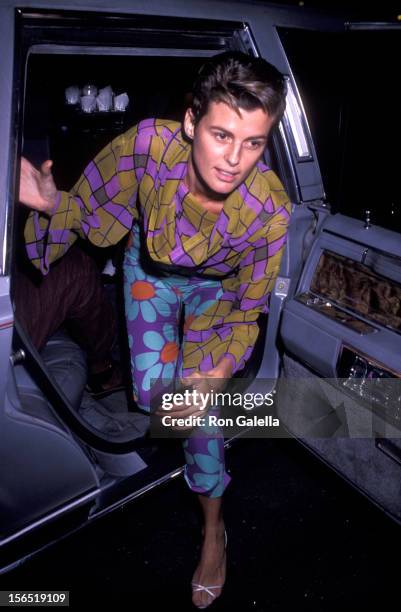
x=333 y=330
x=103 y=442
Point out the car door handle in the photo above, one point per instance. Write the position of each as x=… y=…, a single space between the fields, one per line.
x=18 y=356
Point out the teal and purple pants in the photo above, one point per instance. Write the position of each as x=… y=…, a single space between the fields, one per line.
x=154 y=306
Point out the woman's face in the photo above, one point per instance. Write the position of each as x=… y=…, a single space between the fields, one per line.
x=226 y=146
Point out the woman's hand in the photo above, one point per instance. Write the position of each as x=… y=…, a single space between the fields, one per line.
x=182 y=412
x=213 y=379
x=37 y=188
x=204 y=383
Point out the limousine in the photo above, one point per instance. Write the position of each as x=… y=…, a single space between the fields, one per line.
x=330 y=346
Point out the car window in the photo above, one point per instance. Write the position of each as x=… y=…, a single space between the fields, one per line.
x=370 y=130
x=348 y=84
x=321 y=94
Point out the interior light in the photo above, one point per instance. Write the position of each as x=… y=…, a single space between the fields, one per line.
x=293 y=115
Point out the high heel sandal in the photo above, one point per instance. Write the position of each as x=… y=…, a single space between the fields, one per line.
x=201 y=587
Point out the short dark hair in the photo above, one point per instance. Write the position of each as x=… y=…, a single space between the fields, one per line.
x=241 y=81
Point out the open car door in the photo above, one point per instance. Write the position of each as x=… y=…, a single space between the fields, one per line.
x=340 y=391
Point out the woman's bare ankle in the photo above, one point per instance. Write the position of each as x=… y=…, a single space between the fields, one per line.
x=217 y=528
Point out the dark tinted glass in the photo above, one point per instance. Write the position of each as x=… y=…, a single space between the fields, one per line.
x=371 y=133
x=349 y=85
x=315 y=58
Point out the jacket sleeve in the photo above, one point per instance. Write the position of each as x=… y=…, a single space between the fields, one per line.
x=257 y=274
x=100 y=207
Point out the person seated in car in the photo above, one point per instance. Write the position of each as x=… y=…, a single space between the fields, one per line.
x=207 y=221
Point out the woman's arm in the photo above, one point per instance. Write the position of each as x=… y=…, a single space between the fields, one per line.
x=100 y=207
x=258 y=271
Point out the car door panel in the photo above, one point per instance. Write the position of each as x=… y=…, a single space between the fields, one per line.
x=325 y=332
x=46 y=468
x=340 y=389
x=338 y=411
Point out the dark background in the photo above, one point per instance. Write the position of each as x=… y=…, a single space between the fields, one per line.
x=368 y=9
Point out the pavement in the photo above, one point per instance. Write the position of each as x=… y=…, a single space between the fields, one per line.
x=299 y=538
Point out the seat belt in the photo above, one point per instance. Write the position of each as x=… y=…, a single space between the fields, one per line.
x=270 y=366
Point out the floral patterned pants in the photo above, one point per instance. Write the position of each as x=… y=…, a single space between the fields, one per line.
x=153 y=309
